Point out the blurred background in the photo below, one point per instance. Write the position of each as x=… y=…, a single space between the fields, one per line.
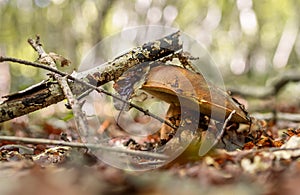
x=250 y=41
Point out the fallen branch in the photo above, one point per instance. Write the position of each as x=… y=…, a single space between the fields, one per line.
x=49 y=92
x=292 y=117
x=89 y=86
x=265 y=92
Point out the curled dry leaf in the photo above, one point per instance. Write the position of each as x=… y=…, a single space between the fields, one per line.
x=59 y=59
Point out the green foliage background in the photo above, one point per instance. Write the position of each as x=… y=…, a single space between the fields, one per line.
x=249 y=40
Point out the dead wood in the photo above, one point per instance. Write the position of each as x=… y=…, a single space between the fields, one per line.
x=49 y=92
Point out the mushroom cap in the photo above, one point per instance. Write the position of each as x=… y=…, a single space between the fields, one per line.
x=183 y=87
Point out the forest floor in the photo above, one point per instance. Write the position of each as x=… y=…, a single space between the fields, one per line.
x=268 y=165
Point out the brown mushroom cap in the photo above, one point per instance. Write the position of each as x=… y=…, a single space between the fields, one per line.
x=173 y=83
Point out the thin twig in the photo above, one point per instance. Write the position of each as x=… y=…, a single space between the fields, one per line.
x=80 y=118
x=223 y=128
x=34 y=64
x=82 y=145
x=99 y=90
x=207 y=142
x=79 y=115
x=254 y=151
x=37 y=46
